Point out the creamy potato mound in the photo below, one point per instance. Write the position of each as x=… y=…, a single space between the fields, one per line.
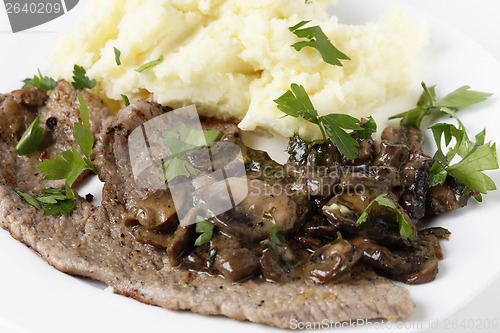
x=232 y=58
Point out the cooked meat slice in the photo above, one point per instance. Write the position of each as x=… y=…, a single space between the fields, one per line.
x=17 y=112
x=97 y=243
x=332 y=262
x=88 y=243
x=408 y=135
x=63 y=108
x=217 y=157
x=30 y=97
x=113 y=159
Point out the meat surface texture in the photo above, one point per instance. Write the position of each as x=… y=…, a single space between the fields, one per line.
x=96 y=242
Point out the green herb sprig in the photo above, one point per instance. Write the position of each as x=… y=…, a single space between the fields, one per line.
x=42 y=82
x=475 y=157
x=206 y=229
x=117 y=56
x=81 y=80
x=317 y=40
x=53 y=200
x=31 y=139
x=72 y=164
x=450 y=104
x=296 y=103
x=179 y=143
x=404 y=228
x=150 y=64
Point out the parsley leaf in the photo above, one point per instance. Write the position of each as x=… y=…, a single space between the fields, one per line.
x=368 y=128
x=319 y=41
x=42 y=82
x=31 y=139
x=404 y=228
x=80 y=79
x=475 y=157
x=28 y=198
x=277 y=235
x=150 y=64
x=54 y=201
x=125 y=100
x=206 y=229
x=61 y=207
x=449 y=104
x=82 y=133
x=117 y=56
x=72 y=164
x=68 y=168
x=296 y=103
x=179 y=143
x=334 y=126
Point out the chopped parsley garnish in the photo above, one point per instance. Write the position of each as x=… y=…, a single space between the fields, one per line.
x=117 y=56
x=318 y=40
x=31 y=139
x=369 y=127
x=274 y=243
x=42 y=82
x=404 y=228
x=150 y=64
x=450 y=104
x=73 y=163
x=179 y=143
x=81 y=80
x=53 y=200
x=125 y=100
x=206 y=229
x=296 y=103
x=277 y=235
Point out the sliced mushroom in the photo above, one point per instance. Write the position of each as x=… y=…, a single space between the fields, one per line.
x=331 y=262
x=408 y=135
x=264 y=207
x=275 y=263
x=158 y=212
x=237 y=264
x=392 y=155
x=181 y=241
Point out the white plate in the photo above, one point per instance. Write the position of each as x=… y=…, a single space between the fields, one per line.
x=37 y=298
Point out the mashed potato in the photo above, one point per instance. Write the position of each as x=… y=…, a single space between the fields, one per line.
x=232 y=58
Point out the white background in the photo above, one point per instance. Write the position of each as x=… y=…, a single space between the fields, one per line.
x=478 y=19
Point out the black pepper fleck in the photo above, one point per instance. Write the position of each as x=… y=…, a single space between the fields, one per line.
x=89 y=197
x=51 y=122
